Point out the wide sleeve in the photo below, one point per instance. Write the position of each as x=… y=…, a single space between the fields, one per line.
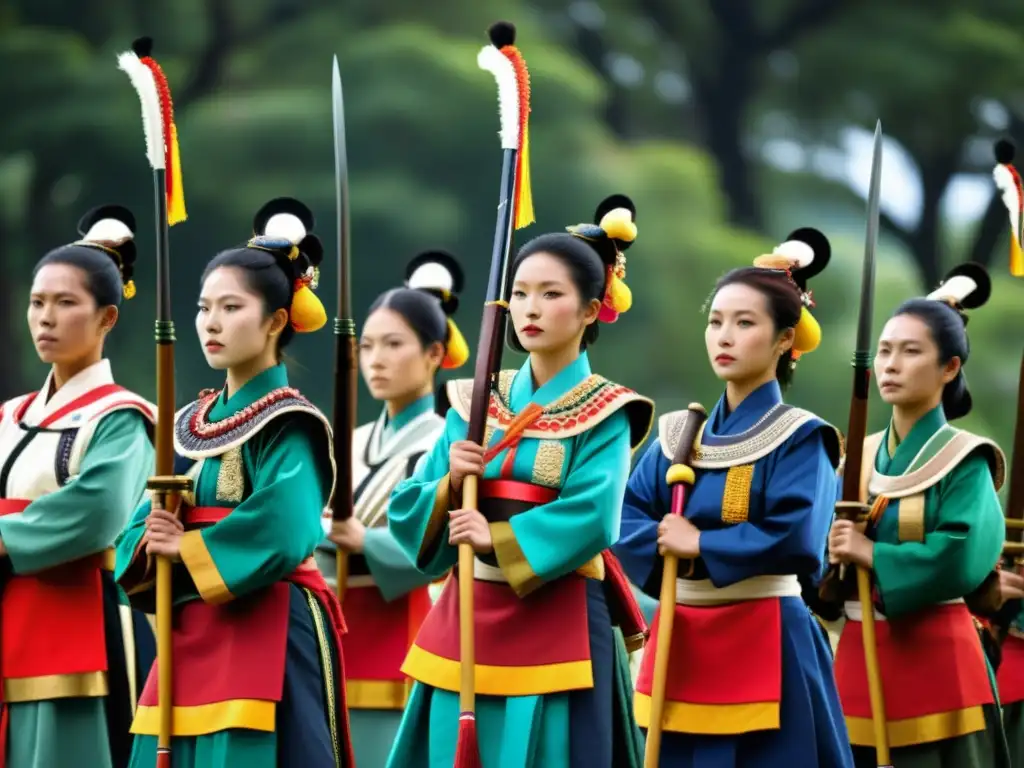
x=86 y=515
x=551 y=540
x=645 y=503
x=271 y=532
x=956 y=555
x=393 y=573
x=790 y=537
x=419 y=506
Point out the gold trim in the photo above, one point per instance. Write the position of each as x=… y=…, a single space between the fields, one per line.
x=592 y=569
x=961 y=445
x=128 y=641
x=438 y=514
x=736 y=497
x=46 y=687
x=231 y=477
x=711 y=719
x=204 y=719
x=203 y=569
x=513 y=563
x=910 y=518
x=327 y=665
x=867 y=466
x=747 y=451
x=491 y=680
x=376 y=694
x=549 y=463
x=918 y=730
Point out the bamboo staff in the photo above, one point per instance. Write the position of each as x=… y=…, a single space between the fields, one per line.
x=680 y=478
x=515 y=210
x=162 y=153
x=345 y=362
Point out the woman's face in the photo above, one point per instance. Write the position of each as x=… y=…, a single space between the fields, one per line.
x=546 y=309
x=741 y=339
x=65 y=323
x=907 y=366
x=233 y=326
x=394 y=364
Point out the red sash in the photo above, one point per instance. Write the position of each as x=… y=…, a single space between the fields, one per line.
x=40 y=612
x=931 y=662
x=1010 y=677
x=234 y=653
x=722 y=654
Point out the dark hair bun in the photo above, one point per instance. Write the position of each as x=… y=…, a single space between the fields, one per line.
x=614 y=228
x=285 y=222
x=111 y=229
x=967 y=286
x=439 y=273
x=810 y=252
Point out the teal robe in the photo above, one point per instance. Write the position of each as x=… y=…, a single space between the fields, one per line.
x=273 y=527
x=81 y=518
x=964 y=534
x=537 y=547
x=394 y=575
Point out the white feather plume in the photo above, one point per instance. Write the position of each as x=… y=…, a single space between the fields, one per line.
x=958 y=288
x=495 y=62
x=145 y=85
x=286 y=226
x=799 y=252
x=109 y=231
x=1011 y=197
x=432 y=275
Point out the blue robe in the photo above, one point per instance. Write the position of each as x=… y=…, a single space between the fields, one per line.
x=791 y=495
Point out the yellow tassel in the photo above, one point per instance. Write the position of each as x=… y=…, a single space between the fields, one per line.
x=524 y=205
x=807 y=334
x=456 y=351
x=176 y=205
x=619 y=295
x=1016 y=257
x=129 y=290
x=307 y=312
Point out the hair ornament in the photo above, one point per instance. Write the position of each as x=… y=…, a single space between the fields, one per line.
x=440 y=274
x=111 y=229
x=966 y=286
x=613 y=231
x=803 y=254
x=283 y=227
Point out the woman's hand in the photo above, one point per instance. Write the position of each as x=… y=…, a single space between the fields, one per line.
x=464 y=458
x=1011 y=586
x=163 y=534
x=349 y=535
x=848 y=545
x=467 y=526
x=678 y=536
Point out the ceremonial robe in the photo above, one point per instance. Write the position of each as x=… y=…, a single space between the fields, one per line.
x=750 y=675
x=552 y=676
x=256 y=642
x=386 y=596
x=938 y=538
x=73 y=466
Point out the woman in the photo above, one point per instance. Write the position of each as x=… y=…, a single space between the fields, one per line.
x=408 y=336
x=749 y=677
x=256 y=640
x=552 y=681
x=74 y=458
x=935 y=533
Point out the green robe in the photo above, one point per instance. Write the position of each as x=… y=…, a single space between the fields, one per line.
x=81 y=518
x=272 y=529
x=964 y=538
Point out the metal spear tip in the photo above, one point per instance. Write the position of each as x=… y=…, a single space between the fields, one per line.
x=143 y=47
x=502 y=33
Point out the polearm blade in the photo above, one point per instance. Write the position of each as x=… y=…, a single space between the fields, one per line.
x=345 y=363
x=855 y=435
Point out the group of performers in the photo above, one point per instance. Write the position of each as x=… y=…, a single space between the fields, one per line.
x=271 y=668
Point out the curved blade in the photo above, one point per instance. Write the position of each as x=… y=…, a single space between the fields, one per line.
x=867 y=284
x=341 y=191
